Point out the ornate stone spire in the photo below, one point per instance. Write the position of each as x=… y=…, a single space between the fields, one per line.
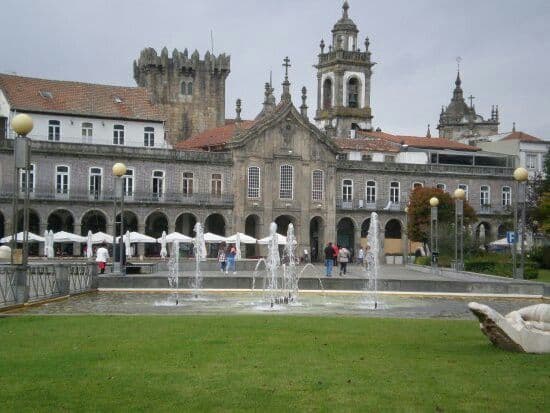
x=303 y=108
x=238 y=110
x=286 y=84
x=428 y=133
x=345 y=9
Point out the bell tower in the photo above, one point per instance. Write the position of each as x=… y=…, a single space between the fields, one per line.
x=343 y=81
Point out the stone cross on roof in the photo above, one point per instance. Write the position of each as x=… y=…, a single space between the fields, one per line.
x=286 y=65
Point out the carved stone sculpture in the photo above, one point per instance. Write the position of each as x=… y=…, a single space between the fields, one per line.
x=526 y=330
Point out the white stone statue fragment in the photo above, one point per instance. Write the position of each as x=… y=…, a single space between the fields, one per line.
x=526 y=330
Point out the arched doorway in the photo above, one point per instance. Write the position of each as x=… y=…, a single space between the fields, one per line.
x=252 y=228
x=345 y=233
x=503 y=229
x=62 y=220
x=2 y=230
x=365 y=226
x=185 y=224
x=316 y=238
x=282 y=223
x=34 y=227
x=154 y=225
x=130 y=222
x=392 y=237
x=483 y=232
x=94 y=221
x=215 y=224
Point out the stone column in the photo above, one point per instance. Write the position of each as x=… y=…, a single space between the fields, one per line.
x=21 y=285
x=141 y=246
x=357 y=240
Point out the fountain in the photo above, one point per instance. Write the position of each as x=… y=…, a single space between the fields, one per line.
x=373 y=262
x=174 y=270
x=199 y=248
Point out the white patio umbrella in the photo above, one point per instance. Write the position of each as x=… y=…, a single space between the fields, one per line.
x=51 y=250
x=101 y=237
x=63 y=236
x=127 y=244
x=89 y=246
x=46 y=244
x=136 y=237
x=245 y=239
x=19 y=238
x=213 y=238
x=163 y=251
x=176 y=236
x=281 y=240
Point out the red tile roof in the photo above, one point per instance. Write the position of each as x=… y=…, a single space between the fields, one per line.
x=522 y=137
x=419 y=142
x=75 y=98
x=214 y=138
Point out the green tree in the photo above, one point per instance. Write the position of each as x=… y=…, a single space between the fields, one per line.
x=420 y=212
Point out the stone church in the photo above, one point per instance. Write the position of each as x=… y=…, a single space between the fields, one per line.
x=325 y=174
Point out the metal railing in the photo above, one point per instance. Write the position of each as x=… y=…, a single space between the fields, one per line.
x=378 y=205
x=7 y=286
x=42 y=282
x=80 y=278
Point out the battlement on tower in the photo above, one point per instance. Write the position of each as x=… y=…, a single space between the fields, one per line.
x=190 y=91
x=149 y=59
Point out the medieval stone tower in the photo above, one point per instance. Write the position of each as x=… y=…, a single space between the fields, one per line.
x=344 y=73
x=190 y=91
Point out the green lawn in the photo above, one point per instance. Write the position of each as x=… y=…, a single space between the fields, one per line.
x=262 y=363
x=544 y=275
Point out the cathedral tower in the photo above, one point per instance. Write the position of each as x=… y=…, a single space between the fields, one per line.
x=460 y=121
x=343 y=74
x=190 y=91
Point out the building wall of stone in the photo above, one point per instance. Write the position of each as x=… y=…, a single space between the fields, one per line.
x=457 y=132
x=186 y=114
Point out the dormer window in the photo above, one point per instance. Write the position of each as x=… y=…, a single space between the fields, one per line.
x=46 y=94
x=117 y=99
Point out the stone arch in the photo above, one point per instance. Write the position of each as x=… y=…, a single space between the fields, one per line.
x=365 y=226
x=316 y=238
x=283 y=222
x=345 y=233
x=327 y=93
x=155 y=223
x=393 y=229
x=353 y=92
x=185 y=224
x=483 y=232
x=61 y=220
x=131 y=222
x=215 y=223
x=94 y=220
x=503 y=229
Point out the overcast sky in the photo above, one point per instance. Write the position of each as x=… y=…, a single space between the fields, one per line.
x=504 y=45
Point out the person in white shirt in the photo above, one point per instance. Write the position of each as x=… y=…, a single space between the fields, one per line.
x=102 y=256
x=360 y=256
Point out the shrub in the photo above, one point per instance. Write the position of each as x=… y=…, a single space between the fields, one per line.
x=422 y=261
x=542 y=256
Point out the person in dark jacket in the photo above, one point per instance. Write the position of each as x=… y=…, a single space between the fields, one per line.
x=329 y=259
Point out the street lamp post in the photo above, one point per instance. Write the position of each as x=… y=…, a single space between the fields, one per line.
x=22 y=125
x=521 y=176
x=406 y=255
x=119 y=170
x=434 y=202
x=459 y=196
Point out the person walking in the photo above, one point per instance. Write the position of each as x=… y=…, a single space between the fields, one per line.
x=361 y=256
x=335 y=249
x=329 y=259
x=102 y=256
x=343 y=259
x=231 y=258
x=222 y=258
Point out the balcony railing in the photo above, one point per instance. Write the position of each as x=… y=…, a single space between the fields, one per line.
x=136 y=197
x=358 y=204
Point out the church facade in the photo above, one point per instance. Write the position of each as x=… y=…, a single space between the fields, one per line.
x=324 y=175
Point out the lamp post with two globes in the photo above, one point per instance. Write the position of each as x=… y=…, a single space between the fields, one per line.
x=434 y=202
x=459 y=196
x=521 y=176
x=119 y=170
